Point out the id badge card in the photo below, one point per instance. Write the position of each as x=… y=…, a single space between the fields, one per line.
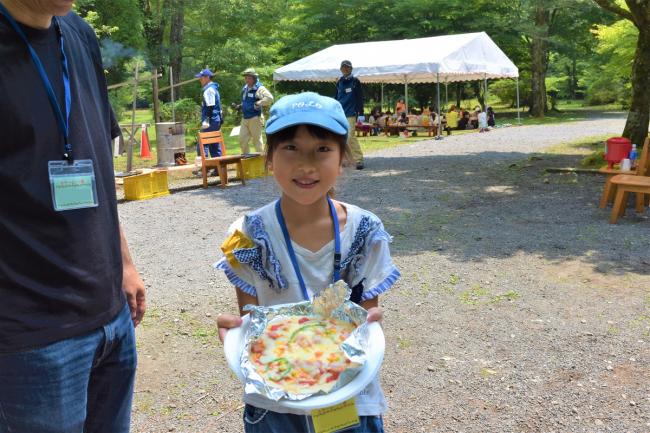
x=335 y=418
x=73 y=185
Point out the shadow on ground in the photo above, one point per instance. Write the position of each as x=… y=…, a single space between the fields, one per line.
x=469 y=207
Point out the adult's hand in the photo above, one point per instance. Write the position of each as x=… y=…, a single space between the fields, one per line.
x=133 y=287
x=226 y=322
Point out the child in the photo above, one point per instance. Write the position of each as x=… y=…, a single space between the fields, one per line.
x=483 y=121
x=285 y=251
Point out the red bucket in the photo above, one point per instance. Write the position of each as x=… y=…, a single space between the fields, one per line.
x=618 y=148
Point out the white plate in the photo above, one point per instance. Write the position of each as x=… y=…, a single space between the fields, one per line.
x=234 y=344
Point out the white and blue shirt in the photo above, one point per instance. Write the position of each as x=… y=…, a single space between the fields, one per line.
x=265 y=271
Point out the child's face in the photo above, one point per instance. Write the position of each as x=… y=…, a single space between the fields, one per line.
x=306 y=167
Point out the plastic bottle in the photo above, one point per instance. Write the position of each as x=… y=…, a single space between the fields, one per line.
x=633 y=156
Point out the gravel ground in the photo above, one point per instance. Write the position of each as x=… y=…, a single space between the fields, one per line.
x=519 y=310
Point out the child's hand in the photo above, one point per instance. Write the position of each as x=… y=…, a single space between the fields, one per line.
x=375 y=314
x=225 y=322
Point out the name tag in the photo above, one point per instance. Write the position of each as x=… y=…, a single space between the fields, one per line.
x=72 y=185
x=348 y=90
x=335 y=418
x=251 y=94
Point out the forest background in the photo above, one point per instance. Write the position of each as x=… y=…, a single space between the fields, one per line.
x=591 y=51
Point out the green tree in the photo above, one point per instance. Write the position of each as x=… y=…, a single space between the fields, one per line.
x=608 y=79
x=638 y=12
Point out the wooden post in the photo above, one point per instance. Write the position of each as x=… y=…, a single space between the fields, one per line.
x=156 y=102
x=129 y=159
x=171 y=85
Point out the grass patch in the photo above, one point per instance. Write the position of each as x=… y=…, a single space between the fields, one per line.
x=510 y=295
x=474 y=295
x=486 y=372
x=403 y=343
x=480 y=295
x=205 y=335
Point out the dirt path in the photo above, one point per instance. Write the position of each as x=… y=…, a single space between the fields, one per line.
x=520 y=309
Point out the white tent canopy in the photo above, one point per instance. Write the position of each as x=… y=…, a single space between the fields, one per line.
x=464 y=57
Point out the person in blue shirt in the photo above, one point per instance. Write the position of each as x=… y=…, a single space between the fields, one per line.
x=210 y=110
x=350 y=94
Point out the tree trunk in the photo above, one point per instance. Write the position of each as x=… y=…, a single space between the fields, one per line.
x=636 y=127
x=539 y=59
x=176 y=43
x=477 y=86
x=153 y=29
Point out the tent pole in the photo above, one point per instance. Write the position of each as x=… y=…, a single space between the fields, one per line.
x=382 y=97
x=439 y=135
x=518 y=115
x=406 y=94
x=446 y=96
x=485 y=93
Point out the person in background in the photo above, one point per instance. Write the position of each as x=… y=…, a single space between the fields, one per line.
x=254 y=96
x=70 y=293
x=373 y=120
x=210 y=111
x=400 y=107
x=482 y=122
x=473 y=118
x=349 y=93
x=491 y=121
x=452 y=119
x=463 y=122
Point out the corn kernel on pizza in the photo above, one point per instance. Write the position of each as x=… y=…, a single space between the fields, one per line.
x=302 y=354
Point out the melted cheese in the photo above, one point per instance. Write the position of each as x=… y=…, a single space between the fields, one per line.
x=302 y=355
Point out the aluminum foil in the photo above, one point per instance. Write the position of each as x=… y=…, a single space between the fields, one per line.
x=354 y=347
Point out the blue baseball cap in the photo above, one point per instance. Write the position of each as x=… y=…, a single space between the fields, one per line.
x=204 y=73
x=307 y=108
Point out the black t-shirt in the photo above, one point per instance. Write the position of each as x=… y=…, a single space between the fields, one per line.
x=60 y=272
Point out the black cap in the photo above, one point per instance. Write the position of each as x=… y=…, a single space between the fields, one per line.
x=346 y=63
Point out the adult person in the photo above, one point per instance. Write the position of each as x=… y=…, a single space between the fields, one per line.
x=70 y=292
x=210 y=110
x=254 y=96
x=349 y=93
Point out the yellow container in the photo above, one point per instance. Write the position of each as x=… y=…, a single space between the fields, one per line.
x=253 y=167
x=146 y=185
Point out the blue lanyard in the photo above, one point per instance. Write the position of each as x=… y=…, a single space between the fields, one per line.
x=63 y=122
x=292 y=253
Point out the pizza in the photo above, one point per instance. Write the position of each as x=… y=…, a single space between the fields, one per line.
x=302 y=354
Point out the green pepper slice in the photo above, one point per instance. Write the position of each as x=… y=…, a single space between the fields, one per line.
x=284 y=368
x=305 y=327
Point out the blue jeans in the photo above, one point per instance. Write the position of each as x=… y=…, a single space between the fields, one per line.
x=257 y=420
x=82 y=384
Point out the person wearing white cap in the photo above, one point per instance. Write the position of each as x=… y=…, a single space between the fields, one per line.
x=254 y=96
x=350 y=94
x=288 y=250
